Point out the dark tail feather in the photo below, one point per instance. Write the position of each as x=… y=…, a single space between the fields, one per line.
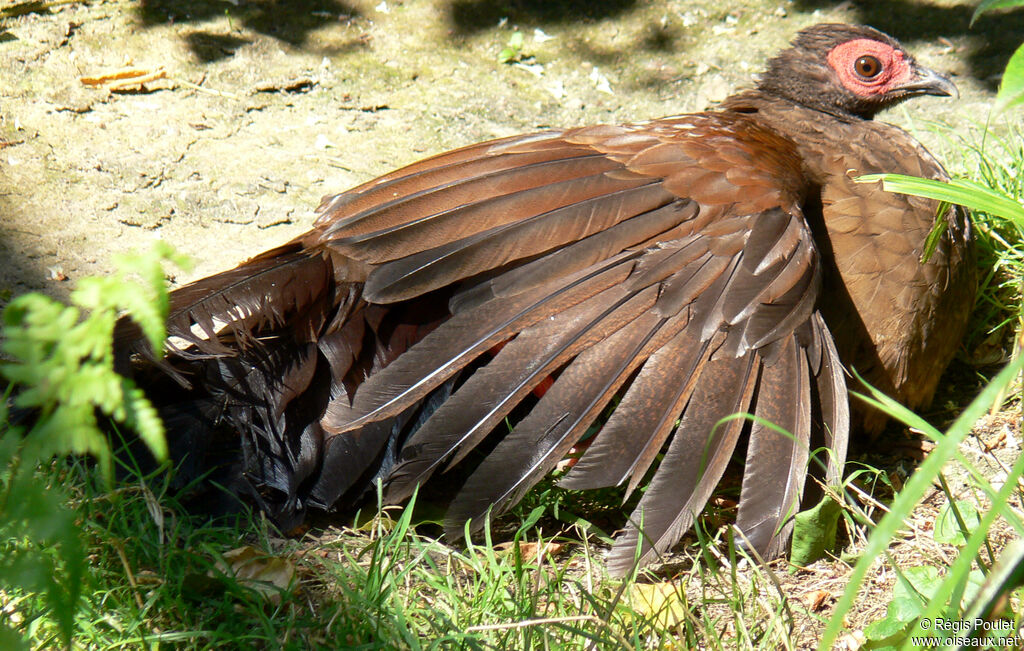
x=249 y=382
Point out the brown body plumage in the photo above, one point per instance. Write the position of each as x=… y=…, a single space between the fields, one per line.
x=684 y=269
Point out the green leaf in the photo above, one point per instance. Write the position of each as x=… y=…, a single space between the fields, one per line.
x=958 y=191
x=143 y=419
x=513 y=49
x=910 y=596
x=61 y=359
x=895 y=626
x=10 y=639
x=27 y=571
x=975 y=581
x=1011 y=89
x=917 y=583
x=935 y=235
x=988 y=5
x=1007 y=575
x=962 y=583
x=30 y=507
x=814 y=532
x=948 y=529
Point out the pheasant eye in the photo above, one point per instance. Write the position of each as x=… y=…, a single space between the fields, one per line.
x=867 y=67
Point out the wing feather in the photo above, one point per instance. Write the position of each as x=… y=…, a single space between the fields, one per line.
x=457 y=259
x=693 y=464
x=493 y=391
x=634 y=434
x=271 y=289
x=776 y=465
x=459 y=341
x=652 y=261
x=554 y=425
x=429 y=221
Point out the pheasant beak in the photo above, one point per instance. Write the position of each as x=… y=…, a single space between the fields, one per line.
x=929 y=82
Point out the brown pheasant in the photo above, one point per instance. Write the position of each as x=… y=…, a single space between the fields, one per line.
x=681 y=270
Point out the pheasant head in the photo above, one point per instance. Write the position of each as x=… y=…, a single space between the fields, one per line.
x=849 y=71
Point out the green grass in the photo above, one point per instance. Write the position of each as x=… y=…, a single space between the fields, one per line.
x=156 y=579
x=992 y=156
x=150 y=583
x=946 y=597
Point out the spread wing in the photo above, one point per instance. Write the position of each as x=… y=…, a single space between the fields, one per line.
x=661 y=272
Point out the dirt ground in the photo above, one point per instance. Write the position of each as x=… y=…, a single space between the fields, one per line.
x=265 y=106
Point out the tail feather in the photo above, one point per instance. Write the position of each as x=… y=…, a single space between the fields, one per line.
x=769 y=497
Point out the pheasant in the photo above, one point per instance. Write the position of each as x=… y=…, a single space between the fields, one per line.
x=489 y=307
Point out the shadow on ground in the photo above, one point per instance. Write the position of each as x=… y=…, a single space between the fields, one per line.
x=289 y=21
x=292 y=21
x=994 y=36
x=24 y=273
x=470 y=16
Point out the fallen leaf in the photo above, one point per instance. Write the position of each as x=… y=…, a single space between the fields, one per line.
x=297 y=85
x=530 y=549
x=996 y=441
x=815 y=599
x=723 y=502
x=124 y=78
x=268 y=575
x=662 y=601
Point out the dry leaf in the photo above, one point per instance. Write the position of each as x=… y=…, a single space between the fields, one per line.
x=996 y=441
x=851 y=641
x=663 y=601
x=815 y=599
x=531 y=549
x=149 y=577
x=298 y=85
x=125 y=78
x=723 y=502
x=252 y=568
x=566 y=464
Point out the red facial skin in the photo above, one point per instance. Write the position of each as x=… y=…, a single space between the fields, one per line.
x=895 y=70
